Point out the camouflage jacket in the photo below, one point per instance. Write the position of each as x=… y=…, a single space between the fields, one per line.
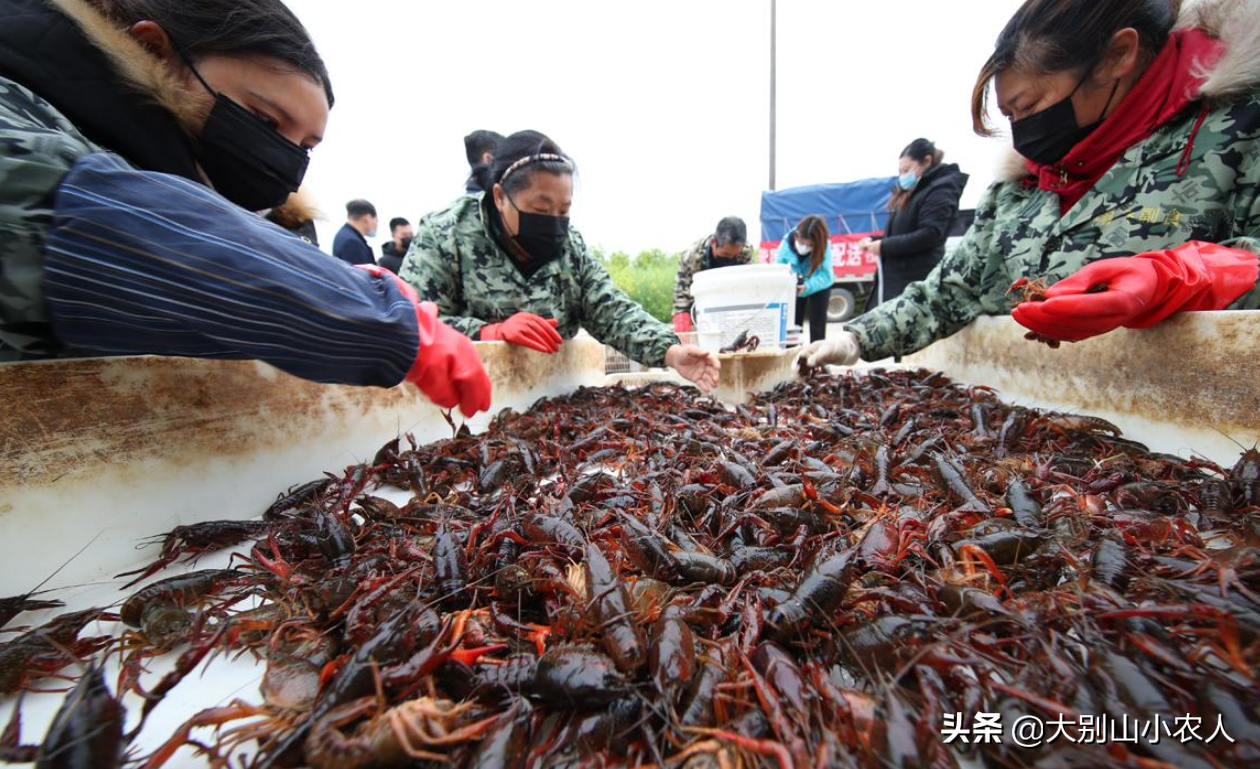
x=455 y=262
x=1142 y=204
x=693 y=261
x=38 y=146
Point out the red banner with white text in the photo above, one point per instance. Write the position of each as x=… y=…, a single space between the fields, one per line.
x=848 y=262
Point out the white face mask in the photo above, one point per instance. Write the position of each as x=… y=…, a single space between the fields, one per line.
x=802 y=248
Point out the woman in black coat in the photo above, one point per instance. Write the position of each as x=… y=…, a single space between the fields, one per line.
x=923 y=207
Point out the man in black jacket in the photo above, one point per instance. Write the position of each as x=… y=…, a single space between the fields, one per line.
x=479 y=147
x=393 y=252
x=350 y=244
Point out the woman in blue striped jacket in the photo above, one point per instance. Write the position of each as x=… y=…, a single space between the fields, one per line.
x=138 y=141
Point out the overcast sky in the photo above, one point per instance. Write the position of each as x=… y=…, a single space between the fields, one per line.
x=664 y=105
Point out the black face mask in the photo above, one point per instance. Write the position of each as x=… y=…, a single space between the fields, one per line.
x=404 y=246
x=248 y=161
x=541 y=236
x=1046 y=137
x=713 y=261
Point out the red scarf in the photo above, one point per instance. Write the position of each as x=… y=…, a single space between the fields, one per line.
x=1169 y=84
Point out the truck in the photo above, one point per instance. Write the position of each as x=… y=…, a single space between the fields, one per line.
x=853 y=211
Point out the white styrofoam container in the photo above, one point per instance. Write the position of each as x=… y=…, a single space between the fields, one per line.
x=97 y=455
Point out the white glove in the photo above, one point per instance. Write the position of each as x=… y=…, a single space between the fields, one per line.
x=842 y=350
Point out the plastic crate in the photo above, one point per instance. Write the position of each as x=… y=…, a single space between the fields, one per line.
x=616 y=362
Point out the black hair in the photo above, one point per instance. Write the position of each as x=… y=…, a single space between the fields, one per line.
x=920 y=150
x=397 y=222
x=815 y=228
x=731 y=231
x=478 y=143
x=522 y=144
x=357 y=208
x=1049 y=36
x=228 y=27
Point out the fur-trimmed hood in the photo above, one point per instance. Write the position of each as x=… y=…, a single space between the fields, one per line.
x=103 y=82
x=298 y=210
x=134 y=64
x=1235 y=23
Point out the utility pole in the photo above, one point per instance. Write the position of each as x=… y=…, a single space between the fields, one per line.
x=774 y=40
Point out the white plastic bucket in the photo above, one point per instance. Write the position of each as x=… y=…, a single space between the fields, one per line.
x=757 y=298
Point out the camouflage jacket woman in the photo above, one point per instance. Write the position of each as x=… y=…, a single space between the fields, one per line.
x=456 y=263
x=1186 y=182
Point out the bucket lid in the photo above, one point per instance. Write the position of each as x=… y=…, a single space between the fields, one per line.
x=744 y=272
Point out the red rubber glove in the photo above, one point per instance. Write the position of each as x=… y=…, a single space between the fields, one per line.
x=682 y=322
x=1140 y=291
x=525 y=329
x=447 y=368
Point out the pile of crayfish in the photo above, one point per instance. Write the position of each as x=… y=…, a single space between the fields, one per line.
x=820 y=578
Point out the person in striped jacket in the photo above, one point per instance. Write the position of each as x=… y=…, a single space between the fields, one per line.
x=135 y=159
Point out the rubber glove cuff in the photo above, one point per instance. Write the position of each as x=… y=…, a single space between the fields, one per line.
x=841 y=350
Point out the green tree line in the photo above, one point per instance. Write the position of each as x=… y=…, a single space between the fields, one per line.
x=648 y=278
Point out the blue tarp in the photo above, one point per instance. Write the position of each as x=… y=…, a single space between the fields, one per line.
x=851 y=207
